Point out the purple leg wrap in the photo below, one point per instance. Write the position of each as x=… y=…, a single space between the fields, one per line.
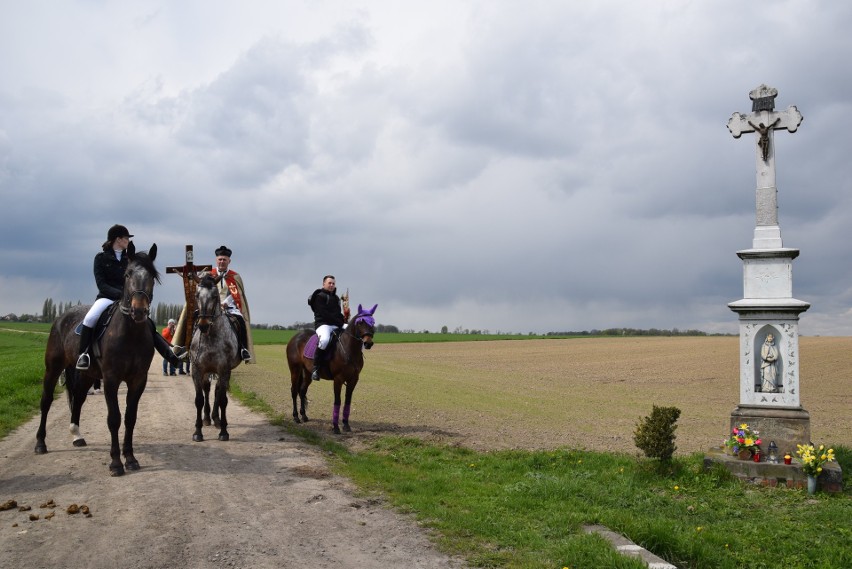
x=335 y=414
x=345 y=413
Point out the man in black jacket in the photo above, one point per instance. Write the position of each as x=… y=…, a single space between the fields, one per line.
x=328 y=317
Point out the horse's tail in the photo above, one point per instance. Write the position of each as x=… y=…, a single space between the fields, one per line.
x=72 y=376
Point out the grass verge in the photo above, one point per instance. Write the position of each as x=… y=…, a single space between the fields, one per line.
x=526 y=509
x=22 y=365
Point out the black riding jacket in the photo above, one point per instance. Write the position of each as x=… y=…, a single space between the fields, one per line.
x=326 y=307
x=109 y=274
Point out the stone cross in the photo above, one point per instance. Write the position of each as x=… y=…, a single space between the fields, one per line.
x=763 y=121
x=189 y=272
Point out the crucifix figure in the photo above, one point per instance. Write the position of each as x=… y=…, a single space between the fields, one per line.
x=763 y=121
x=763 y=142
x=189 y=272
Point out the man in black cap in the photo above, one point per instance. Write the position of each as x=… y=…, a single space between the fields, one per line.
x=232 y=294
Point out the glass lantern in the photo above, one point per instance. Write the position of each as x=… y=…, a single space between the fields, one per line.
x=773 y=453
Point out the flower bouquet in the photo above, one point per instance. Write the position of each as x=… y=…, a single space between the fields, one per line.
x=812 y=458
x=743 y=440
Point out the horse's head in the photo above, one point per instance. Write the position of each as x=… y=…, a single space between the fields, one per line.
x=207 y=302
x=139 y=281
x=363 y=326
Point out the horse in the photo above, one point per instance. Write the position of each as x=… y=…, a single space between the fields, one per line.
x=123 y=353
x=214 y=350
x=343 y=365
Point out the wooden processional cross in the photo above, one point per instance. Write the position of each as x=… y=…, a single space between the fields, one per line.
x=763 y=121
x=189 y=272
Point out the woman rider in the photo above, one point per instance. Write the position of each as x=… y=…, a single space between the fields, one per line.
x=109 y=268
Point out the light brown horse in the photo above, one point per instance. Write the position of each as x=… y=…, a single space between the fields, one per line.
x=126 y=351
x=343 y=366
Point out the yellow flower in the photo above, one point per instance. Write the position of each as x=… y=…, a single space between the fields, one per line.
x=677 y=487
x=699 y=528
x=749 y=441
x=744 y=426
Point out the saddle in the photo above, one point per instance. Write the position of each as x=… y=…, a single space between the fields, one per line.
x=99 y=329
x=311 y=347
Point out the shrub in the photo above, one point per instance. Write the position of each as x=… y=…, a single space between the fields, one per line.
x=654 y=435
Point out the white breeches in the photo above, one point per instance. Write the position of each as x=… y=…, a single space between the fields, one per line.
x=324 y=333
x=95 y=312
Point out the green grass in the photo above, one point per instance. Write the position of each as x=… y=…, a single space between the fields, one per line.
x=520 y=509
x=22 y=365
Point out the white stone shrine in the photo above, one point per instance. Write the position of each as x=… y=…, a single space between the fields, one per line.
x=769 y=322
x=768 y=313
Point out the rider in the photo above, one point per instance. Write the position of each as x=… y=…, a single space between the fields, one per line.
x=110 y=265
x=328 y=317
x=233 y=298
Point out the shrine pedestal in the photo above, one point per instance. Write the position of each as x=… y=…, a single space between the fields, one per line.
x=787 y=427
x=774 y=475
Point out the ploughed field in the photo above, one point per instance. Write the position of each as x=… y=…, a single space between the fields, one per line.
x=577 y=393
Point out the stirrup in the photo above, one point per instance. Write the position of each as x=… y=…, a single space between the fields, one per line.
x=244 y=353
x=83 y=361
x=315 y=375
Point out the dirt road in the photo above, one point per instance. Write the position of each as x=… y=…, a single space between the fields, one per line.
x=263 y=499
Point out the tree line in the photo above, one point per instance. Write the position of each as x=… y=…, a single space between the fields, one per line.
x=52 y=310
x=163 y=312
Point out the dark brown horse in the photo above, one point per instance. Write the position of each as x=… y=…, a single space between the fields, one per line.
x=343 y=366
x=123 y=353
x=214 y=352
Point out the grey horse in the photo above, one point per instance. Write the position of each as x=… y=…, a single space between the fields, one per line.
x=214 y=352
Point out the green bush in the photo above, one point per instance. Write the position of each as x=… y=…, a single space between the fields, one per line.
x=654 y=435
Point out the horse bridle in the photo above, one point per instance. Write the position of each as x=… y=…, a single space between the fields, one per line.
x=129 y=297
x=361 y=338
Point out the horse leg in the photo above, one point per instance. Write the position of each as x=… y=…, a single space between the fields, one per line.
x=78 y=390
x=48 y=385
x=350 y=387
x=207 y=418
x=130 y=415
x=221 y=403
x=303 y=394
x=295 y=390
x=335 y=411
x=113 y=422
x=199 y=405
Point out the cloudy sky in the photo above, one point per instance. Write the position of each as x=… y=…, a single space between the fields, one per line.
x=505 y=166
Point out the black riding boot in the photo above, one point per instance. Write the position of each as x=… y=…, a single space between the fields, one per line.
x=245 y=355
x=164 y=348
x=83 y=361
x=318 y=356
